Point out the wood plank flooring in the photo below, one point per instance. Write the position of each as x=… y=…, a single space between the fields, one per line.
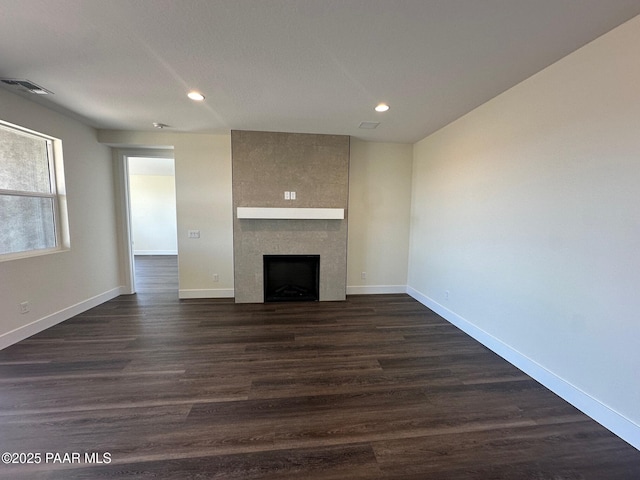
x=377 y=387
x=156 y=273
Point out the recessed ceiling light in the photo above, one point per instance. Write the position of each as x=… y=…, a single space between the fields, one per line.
x=382 y=107
x=197 y=96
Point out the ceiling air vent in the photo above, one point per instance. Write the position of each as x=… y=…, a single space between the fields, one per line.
x=369 y=125
x=26 y=86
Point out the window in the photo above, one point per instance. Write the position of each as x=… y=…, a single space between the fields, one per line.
x=29 y=194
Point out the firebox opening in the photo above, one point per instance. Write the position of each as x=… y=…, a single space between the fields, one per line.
x=291 y=278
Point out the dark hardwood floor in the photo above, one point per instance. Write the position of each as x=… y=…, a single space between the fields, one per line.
x=377 y=387
x=156 y=273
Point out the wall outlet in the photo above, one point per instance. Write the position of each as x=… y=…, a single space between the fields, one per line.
x=216 y=277
x=287 y=195
x=24 y=307
x=446 y=294
x=293 y=195
x=194 y=233
x=363 y=275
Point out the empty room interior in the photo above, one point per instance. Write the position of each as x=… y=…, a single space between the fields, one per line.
x=364 y=239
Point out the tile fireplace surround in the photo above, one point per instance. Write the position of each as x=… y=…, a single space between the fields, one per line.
x=316 y=167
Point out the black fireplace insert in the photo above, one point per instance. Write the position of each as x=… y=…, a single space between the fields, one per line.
x=291 y=278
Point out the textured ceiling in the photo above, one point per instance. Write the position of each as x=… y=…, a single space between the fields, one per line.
x=289 y=65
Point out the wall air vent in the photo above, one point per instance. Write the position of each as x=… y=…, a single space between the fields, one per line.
x=26 y=85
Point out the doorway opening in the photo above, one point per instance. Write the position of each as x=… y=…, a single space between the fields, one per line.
x=154 y=238
x=148 y=219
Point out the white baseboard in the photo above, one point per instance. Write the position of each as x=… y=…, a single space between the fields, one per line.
x=206 y=293
x=155 y=252
x=37 y=326
x=375 y=289
x=351 y=290
x=610 y=419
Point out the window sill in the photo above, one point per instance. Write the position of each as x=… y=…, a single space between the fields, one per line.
x=7 y=257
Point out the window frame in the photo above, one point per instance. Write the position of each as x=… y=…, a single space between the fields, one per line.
x=56 y=194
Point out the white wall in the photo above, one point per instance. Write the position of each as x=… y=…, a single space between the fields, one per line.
x=379 y=207
x=527 y=211
x=203 y=198
x=60 y=285
x=153 y=214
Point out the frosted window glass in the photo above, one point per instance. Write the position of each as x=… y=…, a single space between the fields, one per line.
x=26 y=223
x=28 y=205
x=24 y=163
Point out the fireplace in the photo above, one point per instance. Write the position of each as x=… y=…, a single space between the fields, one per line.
x=265 y=165
x=291 y=278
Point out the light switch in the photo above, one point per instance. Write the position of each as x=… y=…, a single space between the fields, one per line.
x=194 y=233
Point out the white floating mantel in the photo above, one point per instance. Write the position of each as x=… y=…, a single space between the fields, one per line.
x=291 y=213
